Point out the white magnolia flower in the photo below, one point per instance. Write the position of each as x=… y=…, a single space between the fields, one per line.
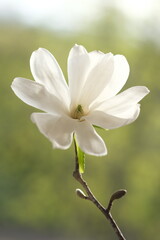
x=88 y=99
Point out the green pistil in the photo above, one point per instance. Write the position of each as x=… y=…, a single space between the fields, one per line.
x=78 y=113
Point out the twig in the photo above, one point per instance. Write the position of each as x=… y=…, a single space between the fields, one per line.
x=106 y=211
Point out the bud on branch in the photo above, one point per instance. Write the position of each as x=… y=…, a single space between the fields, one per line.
x=80 y=193
x=117 y=195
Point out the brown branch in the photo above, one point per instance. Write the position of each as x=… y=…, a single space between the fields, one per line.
x=105 y=211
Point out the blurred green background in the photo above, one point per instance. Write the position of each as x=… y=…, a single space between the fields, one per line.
x=37 y=190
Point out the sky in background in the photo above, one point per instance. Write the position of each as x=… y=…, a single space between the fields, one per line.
x=71 y=14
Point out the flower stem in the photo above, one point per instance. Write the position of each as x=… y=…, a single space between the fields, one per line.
x=105 y=211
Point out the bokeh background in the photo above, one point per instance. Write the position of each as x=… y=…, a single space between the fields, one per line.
x=37 y=190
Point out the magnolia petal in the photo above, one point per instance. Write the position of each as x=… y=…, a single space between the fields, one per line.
x=57 y=129
x=104 y=120
x=35 y=95
x=118 y=79
x=88 y=139
x=96 y=57
x=78 y=67
x=97 y=79
x=120 y=103
x=46 y=71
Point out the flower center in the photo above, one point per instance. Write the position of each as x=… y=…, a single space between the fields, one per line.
x=78 y=112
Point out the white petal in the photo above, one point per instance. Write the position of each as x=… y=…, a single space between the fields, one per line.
x=104 y=120
x=96 y=57
x=118 y=79
x=46 y=71
x=57 y=129
x=78 y=67
x=35 y=95
x=89 y=141
x=97 y=79
x=122 y=102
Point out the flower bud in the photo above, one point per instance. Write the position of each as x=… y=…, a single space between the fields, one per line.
x=80 y=193
x=118 y=194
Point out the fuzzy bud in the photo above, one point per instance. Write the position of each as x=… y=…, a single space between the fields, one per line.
x=80 y=193
x=118 y=194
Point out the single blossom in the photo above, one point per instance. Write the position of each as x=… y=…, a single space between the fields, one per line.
x=91 y=97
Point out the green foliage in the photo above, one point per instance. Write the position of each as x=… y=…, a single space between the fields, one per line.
x=36 y=184
x=81 y=158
